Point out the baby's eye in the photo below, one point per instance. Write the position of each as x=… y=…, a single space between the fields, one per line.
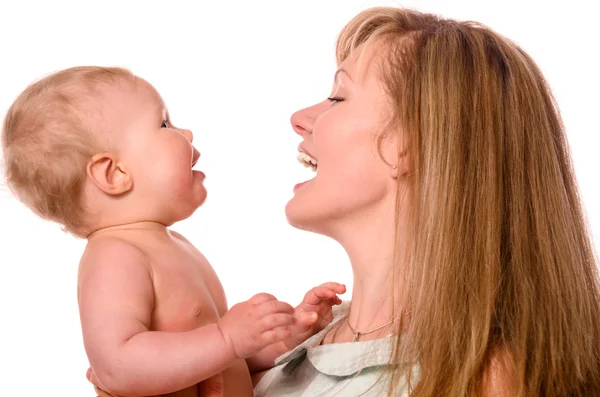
x=165 y=124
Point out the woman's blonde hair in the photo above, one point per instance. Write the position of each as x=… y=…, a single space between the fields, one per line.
x=499 y=257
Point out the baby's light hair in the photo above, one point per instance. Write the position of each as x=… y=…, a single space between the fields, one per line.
x=47 y=142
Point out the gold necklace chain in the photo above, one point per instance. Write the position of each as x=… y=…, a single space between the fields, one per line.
x=358 y=334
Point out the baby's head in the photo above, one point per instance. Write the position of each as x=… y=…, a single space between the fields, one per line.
x=93 y=147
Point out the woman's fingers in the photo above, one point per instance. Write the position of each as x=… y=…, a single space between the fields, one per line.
x=211 y=387
x=91 y=376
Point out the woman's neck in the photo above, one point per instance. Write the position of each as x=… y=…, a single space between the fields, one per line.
x=370 y=247
x=373 y=294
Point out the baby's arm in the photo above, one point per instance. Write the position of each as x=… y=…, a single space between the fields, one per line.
x=116 y=299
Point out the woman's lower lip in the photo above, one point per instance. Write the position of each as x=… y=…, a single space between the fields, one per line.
x=299 y=185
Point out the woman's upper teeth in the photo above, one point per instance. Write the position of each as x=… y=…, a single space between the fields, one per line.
x=307 y=160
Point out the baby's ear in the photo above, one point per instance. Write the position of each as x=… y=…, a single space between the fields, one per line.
x=108 y=175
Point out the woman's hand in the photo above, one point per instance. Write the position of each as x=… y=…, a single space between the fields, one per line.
x=211 y=387
x=100 y=392
x=314 y=313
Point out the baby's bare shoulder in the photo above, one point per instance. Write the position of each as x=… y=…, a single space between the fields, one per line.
x=113 y=244
x=115 y=264
x=178 y=236
x=112 y=250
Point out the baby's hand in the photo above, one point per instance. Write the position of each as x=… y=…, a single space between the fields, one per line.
x=250 y=326
x=314 y=313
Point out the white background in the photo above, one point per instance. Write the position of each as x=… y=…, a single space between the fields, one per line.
x=233 y=72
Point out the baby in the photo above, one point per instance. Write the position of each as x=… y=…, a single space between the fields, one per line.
x=93 y=149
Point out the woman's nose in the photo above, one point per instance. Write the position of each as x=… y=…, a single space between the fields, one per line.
x=303 y=120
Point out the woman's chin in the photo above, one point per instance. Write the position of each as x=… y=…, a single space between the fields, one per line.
x=298 y=213
x=304 y=215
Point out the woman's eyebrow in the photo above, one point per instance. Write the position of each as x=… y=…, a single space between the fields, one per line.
x=342 y=70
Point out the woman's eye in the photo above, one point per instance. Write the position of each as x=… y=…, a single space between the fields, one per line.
x=165 y=124
x=335 y=99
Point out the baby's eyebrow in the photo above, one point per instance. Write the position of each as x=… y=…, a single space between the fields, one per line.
x=164 y=113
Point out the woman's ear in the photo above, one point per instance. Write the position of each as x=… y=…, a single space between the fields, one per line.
x=392 y=147
x=108 y=175
x=402 y=166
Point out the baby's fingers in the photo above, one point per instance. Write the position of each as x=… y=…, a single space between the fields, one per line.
x=337 y=287
x=275 y=335
x=318 y=294
x=306 y=319
x=261 y=298
x=277 y=320
x=274 y=306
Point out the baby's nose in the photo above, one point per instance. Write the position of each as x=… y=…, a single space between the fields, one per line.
x=188 y=134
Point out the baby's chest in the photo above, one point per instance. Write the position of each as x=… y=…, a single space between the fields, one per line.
x=187 y=295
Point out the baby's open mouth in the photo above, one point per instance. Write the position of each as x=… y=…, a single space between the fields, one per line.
x=307 y=161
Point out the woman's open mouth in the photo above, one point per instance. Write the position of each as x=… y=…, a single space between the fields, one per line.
x=307 y=161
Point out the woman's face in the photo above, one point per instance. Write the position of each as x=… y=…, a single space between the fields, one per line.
x=340 y=135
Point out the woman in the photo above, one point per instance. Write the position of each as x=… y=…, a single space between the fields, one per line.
x=443 y=170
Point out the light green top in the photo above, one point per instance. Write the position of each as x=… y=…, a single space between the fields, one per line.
x=339 y=369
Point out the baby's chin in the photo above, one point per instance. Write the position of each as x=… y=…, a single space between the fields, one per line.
x=184 y=210
x=199 y=202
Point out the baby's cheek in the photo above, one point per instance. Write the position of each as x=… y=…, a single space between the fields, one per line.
x=167 y=177
x=180 y=184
